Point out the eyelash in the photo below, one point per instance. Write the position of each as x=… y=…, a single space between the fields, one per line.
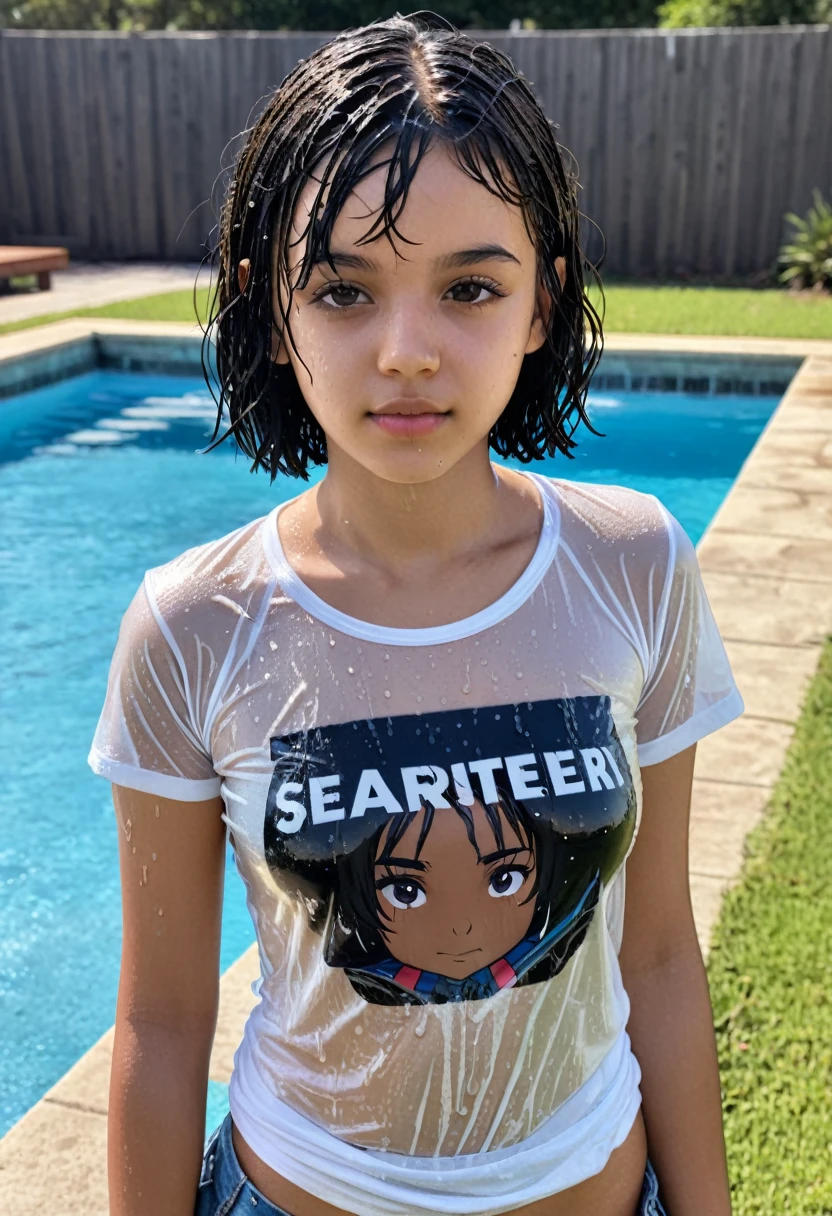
x=476 y=280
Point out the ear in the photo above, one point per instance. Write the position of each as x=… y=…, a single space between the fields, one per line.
x=540 y=320
x=243 y=271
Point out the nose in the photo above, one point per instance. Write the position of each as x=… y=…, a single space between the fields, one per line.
x=462 y=927
x=408 y=345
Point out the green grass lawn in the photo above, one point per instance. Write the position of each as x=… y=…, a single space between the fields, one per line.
x=172 y=306
x=730 y=311
x=770 y=972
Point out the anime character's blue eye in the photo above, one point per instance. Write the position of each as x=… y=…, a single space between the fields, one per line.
x=506 y=881
x=404 y=893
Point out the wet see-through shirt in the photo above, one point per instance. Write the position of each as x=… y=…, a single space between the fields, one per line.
x=432 y=826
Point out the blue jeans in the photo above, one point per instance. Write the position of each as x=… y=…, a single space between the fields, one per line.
x=224 y=1189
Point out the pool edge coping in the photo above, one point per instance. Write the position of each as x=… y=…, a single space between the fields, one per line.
x=763 y=582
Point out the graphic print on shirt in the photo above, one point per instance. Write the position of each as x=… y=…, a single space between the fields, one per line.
x=443 y=857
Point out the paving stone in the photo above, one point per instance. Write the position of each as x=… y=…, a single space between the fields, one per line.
x=55 y=1160
x=706 y=894
x=801 y=414
x=236 y=1002
x=804 y=448
x=777 y=513
x=814 y=479
x=748 y=750
x=88 y=285
x=777 y=556
x=757 y=608
x=87 y=1083
x=722 y=815
x=772 y=679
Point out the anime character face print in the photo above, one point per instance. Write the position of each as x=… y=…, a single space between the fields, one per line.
x=445 y=857
x=457 y=891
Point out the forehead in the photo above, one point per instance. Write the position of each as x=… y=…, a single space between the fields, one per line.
x=446 y=210
x=448 y=827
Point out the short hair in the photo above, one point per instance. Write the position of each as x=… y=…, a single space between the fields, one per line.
x=406 y=83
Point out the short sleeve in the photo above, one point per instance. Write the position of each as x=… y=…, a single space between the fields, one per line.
x=149 y=737
x=689 y=690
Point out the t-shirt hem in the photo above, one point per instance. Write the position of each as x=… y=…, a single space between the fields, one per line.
x=370 y=1182
x=654 y=751
x=180 y=789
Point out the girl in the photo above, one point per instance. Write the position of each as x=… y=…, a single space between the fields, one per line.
x=437 y=703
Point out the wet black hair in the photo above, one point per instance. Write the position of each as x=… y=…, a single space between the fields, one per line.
x=396 y=86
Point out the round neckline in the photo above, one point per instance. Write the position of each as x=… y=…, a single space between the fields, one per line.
x=434 y=635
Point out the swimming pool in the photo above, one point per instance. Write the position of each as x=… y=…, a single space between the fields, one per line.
x=98 y=481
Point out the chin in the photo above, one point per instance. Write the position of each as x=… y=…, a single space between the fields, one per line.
x=412 y=468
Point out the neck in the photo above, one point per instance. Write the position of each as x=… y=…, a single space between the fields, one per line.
x=396 y=523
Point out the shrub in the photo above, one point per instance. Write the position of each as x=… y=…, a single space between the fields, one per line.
x=807 y=260
x=677 y=14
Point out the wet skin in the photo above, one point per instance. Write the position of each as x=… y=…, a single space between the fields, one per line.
x=452 y=908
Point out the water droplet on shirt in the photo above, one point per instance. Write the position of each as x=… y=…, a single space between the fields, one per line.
x=273 y=645
x=387 y=692
x=518 y=675
x=153 y=856
x=351 y=670
x=359 y=1030
x=161 y=913
x=332 y=641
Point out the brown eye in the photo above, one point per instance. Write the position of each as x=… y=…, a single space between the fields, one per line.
x=339 y=296
x=343 y=295
x=471 y=292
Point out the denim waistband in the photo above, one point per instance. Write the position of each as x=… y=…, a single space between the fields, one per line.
x=223 y=1185
x=224 y=1188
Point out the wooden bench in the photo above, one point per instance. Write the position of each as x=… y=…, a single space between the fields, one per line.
x=19 y=260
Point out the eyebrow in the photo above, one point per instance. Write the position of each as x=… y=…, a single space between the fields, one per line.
x=448 y=261
x=408 y=862
x=500 y=854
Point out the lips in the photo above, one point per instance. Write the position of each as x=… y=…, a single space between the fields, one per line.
x=408 y=417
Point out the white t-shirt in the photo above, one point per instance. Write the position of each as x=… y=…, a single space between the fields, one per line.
x=432 y=826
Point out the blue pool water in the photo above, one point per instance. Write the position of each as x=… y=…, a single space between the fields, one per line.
x=99 y=480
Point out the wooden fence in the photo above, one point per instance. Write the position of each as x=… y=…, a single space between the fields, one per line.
x=691 y=144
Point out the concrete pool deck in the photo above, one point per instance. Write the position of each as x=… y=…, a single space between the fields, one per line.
x=91 y=284
x=766 y=561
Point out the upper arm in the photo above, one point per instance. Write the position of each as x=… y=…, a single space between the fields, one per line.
x=658 y=918
x=172 y=863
